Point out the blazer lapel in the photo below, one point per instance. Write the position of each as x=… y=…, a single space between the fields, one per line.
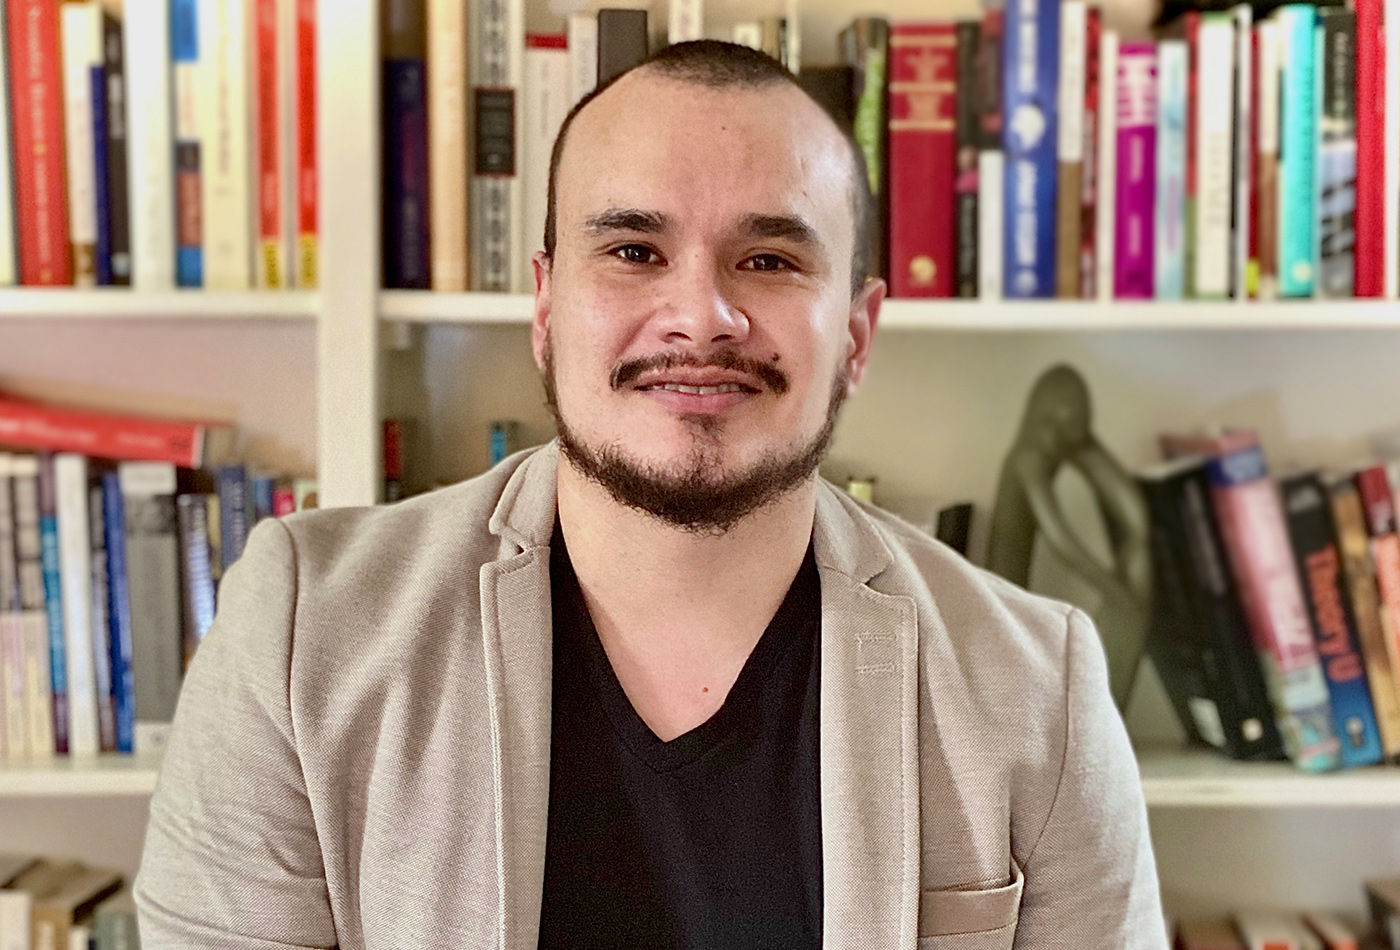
x=869 y=740
x=517 y=637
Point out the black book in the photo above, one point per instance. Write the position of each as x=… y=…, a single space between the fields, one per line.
x=622 y=42
x=1197 y=637
x=865 y=47
x=955 y=526
x=831 y=87
x=968 y=136
x=1336 y=153
x=118 y=200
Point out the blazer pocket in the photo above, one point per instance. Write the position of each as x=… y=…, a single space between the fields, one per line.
x=971 y=920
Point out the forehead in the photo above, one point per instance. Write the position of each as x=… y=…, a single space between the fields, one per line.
x=653 y=142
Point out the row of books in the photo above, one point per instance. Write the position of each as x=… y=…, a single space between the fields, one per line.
x=174 y=145
x=1032 y=153
x=64 y=905
x=1276 y=619
x=1271 y=930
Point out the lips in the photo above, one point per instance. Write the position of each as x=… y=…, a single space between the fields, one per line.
x=697 y=390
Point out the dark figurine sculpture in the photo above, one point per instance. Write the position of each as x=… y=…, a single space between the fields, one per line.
x=1055 y=431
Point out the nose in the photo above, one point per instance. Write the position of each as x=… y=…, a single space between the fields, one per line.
x=698 y=309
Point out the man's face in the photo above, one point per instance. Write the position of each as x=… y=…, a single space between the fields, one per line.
x=696 y=325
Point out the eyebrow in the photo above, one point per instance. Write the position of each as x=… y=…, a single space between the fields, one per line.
x=627 y=219
x=790 y=227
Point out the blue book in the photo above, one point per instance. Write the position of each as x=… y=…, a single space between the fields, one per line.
x=119 y=612
x=262 y=488
x=1297 y=225
x=184 y=56
x=53 y=600
x=1311 y=528
x=104 y=202
x=197 y=578
x=1170 y=252
x=1030 y=83
x=233 y=513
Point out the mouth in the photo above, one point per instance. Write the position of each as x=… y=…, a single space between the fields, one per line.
x=696 y=390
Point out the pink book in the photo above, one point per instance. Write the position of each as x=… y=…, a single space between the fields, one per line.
x=1137 y=171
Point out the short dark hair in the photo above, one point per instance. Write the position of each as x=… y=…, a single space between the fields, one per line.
x=720 y=65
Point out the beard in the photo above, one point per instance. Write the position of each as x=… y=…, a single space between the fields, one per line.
x=699 y=496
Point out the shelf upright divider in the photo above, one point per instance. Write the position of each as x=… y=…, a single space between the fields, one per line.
x=347 y=83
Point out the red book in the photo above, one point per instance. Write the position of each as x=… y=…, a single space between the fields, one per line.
x=41 y=181
x=1378 y=503
x=32 y=425
x=272 y=266
x=923 y=72
x=308 y=225
x=1370 y=149
x=1089 y=182
x=284 y=501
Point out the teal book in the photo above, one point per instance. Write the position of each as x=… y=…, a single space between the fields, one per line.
x=1170 y=257
x=1297 y=264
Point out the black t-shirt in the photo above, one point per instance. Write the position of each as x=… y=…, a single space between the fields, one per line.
x=711 y=840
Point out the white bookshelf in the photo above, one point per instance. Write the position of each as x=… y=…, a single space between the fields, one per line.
x=104 y=775
x=115 y=303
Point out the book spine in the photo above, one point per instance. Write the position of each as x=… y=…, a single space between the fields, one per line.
x=53 y=601
x=1107 y=223
x=81 y=25
x=546 y=103
x=1137 y=175
x=31 y=425
x=1390 y=200
x=119 y=613
x=1337 y=156
x=1252 y=262
x=1090 y=185
x=226 y=171
x=101 y=645
x=447 y=147
x=233 y=513
x=968 y=134
x=1268 y=188
x=150 y=126
x=1372 y=624
x=102 y=260
x=407 y=254
x=923 y=147
x=287 y=94
x=189 y=215
x=1256 y=541
x=1242 y=150
x=33 y=619
x=13 y=737
x=1030 y=136
x=41 y=202
x=307 y=178
x=273 y=263
x=865 y=48
x=197 y=592
x=1371 y=158
x=1377 y=502
x=583 y=55
x=1069 y=149
x=496 y=71
x=991 y=165
x=1297 y=139
x=1170 y=250
x=153 y=581
x=284 y=501
x=75 y=578
x=118 y=167
x=1313 y=534
x=1215 y=193
x=686 y=21
x=9 y=239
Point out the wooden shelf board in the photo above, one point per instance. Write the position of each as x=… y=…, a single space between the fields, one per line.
x=63 y=776
x=1201 y=778
x=114 y=303
x=420 y=306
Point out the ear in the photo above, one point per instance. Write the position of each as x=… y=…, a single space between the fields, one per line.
x=865 y=313
x=539 y=323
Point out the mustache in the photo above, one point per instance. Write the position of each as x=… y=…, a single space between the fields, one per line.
x=768 y=373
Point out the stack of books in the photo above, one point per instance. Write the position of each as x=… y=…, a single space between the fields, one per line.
x=172 y=146
x=64 y=905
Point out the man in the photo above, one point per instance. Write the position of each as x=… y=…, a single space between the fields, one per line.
x=655 y=685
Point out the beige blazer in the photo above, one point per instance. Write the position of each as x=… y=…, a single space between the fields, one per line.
x=361 y=752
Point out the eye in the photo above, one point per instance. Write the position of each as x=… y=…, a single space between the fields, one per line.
x=636 y=254
x=767 y=262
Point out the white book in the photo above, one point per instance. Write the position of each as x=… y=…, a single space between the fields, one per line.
x=1215 y=193
x=1073 y=60
x=150 y=161
x=1392 y=154
x=9 y=250
x=81 y=28
x=16 y=909
x=748 y=33
x=78 y=937
x=991 y=186
x=225 y=134
x=583 y=55
x=1244 y=97
x=75 y=578
x=447 y=143
x=546 y=102
x=1105 y=210
x=497 y=64
x=686 y=20
x=34 y=624
x=13 y=739
x=792 y=37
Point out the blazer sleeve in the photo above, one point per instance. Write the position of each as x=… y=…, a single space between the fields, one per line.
x=231 y=858
x=1090 y=879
